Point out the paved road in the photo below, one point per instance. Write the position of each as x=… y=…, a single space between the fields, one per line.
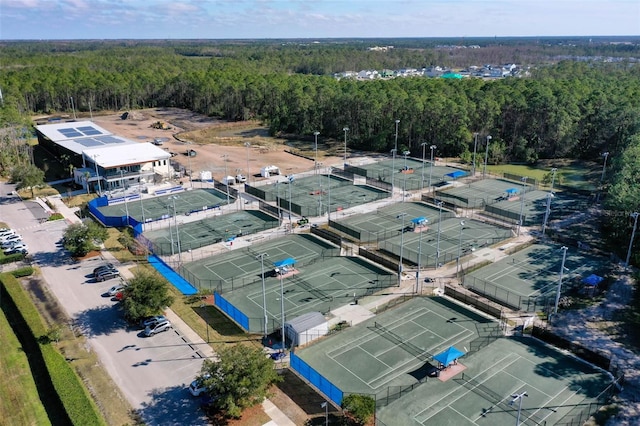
x=152 y=372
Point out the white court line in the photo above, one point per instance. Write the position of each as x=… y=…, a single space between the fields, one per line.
x=461 y=415
x=548 y=403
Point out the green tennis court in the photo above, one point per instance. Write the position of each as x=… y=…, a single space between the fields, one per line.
x=528 y=279
x=315 y=195
x=479 y=193
x=204 y=232
x=386 y=222
x=323 y=280
x=448 y=238
x=156 y=208
x=387 y=356
x=409 y=173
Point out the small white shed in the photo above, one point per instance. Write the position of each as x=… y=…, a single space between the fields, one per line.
x=306 y=328
x=267 y=171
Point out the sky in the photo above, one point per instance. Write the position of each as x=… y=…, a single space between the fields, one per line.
x=251 y=19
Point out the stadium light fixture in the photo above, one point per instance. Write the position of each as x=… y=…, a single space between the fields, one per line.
x=518 y=398
x=524 y=191
x=424 y=146
x=345 y=129
x=459 y=247
x=439 y=204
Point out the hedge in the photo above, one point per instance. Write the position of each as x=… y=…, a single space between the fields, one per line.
x=25 y=271
x=77 y=402
x=11 y=258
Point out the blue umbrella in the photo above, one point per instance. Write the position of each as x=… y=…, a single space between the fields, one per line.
x=448 y=356
x=592 y=280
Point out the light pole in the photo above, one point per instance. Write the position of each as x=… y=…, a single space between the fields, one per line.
x=141 y=203
x=282 y=310
x=404 y=181
x=559 y=289
x=393 y=169
x=401 y=216
x=475 y=148
x=95 y=163
x=278 y=203
x=345 y=130
x=261 y=256
x=126 y=205
x=191 y=173
x=395 y=145
x=315 y=161
x=73 y=108
x=422 y=222
x=326 y=412
x=547 y=212
x=438 y=237
x=170 y=232
x=524 y=188
x=604 y=165
x=459 y=247
x=432 y=147
x=225 y=157
x=553 y=177
x=175 y=221
x=486 y=157
x=290 y=178
x=248 y=146
x=634 y=215
x=329 y=194
x=518 y=397
x=424 y=146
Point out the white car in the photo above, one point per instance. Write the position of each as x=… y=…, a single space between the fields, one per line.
x=19 y=247
x=10 y=239
x=196 y=387
x=6 y=231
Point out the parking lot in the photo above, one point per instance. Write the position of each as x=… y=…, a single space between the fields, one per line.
x=154 y=372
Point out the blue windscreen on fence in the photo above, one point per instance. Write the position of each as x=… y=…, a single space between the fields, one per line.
x=316 y=379
x=172 y=276
x=233 y=312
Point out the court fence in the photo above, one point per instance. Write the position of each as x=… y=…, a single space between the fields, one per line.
x=327 y=235
x=474 y=301
x=172 y=247
x=376 y=183
x=381 y=260
x=581 y=413
x=345 y=229
x=269 y=209
x=308 y=373
x=392 y=393
x=232 y=312
x=345 y=174
x=507 y=214
x=596 y=358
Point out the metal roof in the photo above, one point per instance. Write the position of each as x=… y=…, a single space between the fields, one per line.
x=111 y=156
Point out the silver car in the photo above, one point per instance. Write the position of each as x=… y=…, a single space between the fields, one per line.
x=157 y=328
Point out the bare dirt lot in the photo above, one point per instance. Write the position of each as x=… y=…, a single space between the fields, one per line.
x=215 y=141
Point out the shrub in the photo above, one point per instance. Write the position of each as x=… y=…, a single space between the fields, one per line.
x=11 y=258
x=55 y=216
x=22 y=272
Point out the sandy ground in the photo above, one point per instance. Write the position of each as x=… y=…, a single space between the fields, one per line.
x=210 y=157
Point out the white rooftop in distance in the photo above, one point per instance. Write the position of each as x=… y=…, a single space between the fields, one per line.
x=71 y=130
x=134 y=153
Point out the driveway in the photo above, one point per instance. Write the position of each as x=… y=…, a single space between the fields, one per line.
x=153 y=373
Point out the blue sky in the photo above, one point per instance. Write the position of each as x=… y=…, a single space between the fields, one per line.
x=212 y=19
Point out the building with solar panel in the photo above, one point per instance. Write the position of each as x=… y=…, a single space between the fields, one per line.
x=104 y=162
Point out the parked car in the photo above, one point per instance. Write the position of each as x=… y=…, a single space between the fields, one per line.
x=105 y=267
x=11 y=237
x=107 y=275
x=157 y=328
x=17 y=249
x=149 y=321
x=197 y=387
x=9 y=244
x=115 y=289
x=6 y=231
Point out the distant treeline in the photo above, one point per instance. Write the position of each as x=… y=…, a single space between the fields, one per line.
x=564 y=109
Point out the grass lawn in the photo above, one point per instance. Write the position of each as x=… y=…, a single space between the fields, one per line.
x=572 y=173
x=19 y=400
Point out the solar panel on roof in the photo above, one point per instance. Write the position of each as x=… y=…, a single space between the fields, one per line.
x=70 y=133
x=85 y=128
x=92 y=132
x=89 y=142
x=109 y=139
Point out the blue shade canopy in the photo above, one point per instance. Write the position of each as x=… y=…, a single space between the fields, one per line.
x=285 y=262
x=420 y=220
x=592 y=280
x=448 y=356
x=457 y=174
x=511 y=191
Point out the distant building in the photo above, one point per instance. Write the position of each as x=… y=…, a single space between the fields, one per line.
x=104 y=162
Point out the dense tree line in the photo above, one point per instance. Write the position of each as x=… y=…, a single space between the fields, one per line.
x=569 y=109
